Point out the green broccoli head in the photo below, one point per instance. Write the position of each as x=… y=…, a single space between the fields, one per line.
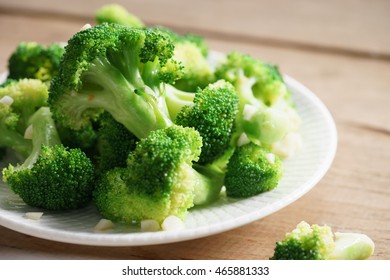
x=28 y=95
x=35 y=61
x=115 y=13
x=266 y=113
x=252 y=170
x=197 y=72
x=190 y=49
x=19 y=100
x=314 y=242
x=52 y=177
x=60 y=179
x=116 y=69
x=212 y=113
x=305 y=242
x=192 y=52
x=267 y=82
x=158 y=181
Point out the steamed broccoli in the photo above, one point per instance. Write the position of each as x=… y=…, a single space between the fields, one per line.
x=158 y=181
x=316 y=242
x=211 y=111
x=252 y=170
x=18 y=102
x=52 y=177
x=116 y=69
x=197 y=72
x=35 y=61
x=266 y=112
x=114 y=13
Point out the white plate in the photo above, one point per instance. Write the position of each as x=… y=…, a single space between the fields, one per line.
x=302 y=172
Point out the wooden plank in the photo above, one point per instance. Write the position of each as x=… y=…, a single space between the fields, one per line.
x=356 y=25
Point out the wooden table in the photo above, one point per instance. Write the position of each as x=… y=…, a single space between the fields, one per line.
x=339 y=49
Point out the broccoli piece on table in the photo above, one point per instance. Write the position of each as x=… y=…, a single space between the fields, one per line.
x=35 y=61
x=252 y=170
x=266 y=112
x=316 y=242
x=116 y=69
x=211 y=111
x=53 y=177
x=158 y=181
x=115 y=13
x=19 y=100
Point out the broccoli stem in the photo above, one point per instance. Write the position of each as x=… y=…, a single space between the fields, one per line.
x=131 y=103
x=15 y=141
x=44 y=133
x=352 y=246
x=209 y=182
x=176 y=99
x=244 y=86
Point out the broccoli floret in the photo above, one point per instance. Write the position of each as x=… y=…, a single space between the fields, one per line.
x=266 y=112
x=252 y=170
x=266 y=81
x=316 y=242
x=195 y=39
x=192 y=51
x=35 y=61
x=211 y=111
x=197 y=72
x=114 y=13
x=19 y=100
x=53 y=177
x=10 y=137
x=115 y=143
x=116 y=69
x=157 y=182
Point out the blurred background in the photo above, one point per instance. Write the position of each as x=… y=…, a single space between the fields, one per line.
x=357 y=26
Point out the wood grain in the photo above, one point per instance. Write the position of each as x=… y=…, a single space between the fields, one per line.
x=355 y=193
